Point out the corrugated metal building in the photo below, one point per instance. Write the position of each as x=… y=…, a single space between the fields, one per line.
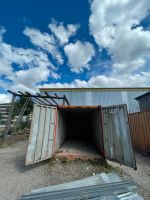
x=144 y=101
x=4 y=110
x=94 y=125
x=100 y=96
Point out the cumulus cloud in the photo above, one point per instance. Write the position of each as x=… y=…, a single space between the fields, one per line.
x=63 y=33
x=5 y=98
x=79 y=55
x=44 y=41
x=137 y=80
x=115 y=26
x=33 y=66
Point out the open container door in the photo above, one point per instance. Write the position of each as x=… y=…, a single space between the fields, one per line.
x=42 y=134
x=116 y=134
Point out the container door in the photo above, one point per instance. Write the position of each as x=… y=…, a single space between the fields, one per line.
x=42 y=134
x=116 y=134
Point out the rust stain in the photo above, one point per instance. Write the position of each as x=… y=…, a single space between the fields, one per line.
x=75 y=156
x=77 y=107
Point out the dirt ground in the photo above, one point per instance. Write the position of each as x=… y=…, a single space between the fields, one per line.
x=16 y=178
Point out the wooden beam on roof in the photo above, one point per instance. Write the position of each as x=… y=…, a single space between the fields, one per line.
x=41 y=98
x=51 y=98
x=66 y=100
x=46 y=100
x=13 y=93
x=35 y=97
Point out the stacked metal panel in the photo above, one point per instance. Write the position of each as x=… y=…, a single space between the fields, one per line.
x=102 y=187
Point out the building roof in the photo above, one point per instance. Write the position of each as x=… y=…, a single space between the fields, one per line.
x=143 y=95
x=93 y=89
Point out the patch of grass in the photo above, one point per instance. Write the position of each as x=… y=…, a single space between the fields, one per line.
x=64 y=161
x=52 y=161
x=98 y=166
x=102 y=162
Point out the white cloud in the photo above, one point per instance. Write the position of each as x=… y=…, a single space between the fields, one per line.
x=63 y=33
x=137 y=80
x=113 y=25
x=5 y=98
x=79 y=55
x=44 y=41
x=33 y=67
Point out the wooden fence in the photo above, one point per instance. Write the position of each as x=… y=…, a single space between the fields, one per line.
x=140 y=130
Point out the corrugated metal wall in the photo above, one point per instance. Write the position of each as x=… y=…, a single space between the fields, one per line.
x=103 y=98
x=41 y=140
x=117 y=141
x=140 y=130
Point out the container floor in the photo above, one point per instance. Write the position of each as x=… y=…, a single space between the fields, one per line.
x=77 y=149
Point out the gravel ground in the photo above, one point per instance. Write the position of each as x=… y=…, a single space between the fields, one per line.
x=16 y=178
x=141 y=176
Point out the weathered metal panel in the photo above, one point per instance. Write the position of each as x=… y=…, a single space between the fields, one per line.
x=88 y=181
x=144 y=102
x=140 y=130
x=113 y=190
x=41 y=139
x=116 y=133
x=91 y=97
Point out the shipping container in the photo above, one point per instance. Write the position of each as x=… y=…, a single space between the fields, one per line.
x=80 y=132
x=144 y=102
x=140 y=130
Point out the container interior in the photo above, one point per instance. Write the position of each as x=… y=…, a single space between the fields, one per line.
x=79 y=131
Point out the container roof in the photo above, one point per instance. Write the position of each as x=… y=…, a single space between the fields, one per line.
x=93 y=89
x=143 y=95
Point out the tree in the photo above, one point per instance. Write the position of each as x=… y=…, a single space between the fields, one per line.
x=19 y=104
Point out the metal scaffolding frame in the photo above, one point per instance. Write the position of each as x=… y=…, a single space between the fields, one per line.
x=45 y=99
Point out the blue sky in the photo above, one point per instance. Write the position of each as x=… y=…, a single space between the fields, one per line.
x=75 y=43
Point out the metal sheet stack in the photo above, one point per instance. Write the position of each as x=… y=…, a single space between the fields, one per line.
x=99 y=187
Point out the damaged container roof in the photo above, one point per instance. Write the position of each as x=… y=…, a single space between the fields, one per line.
x=101 y=186
x=80 y=131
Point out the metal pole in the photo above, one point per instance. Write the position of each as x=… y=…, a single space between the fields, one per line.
x=64 y=100
x=20 y=116
x=51 y=98
x=7 y=127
